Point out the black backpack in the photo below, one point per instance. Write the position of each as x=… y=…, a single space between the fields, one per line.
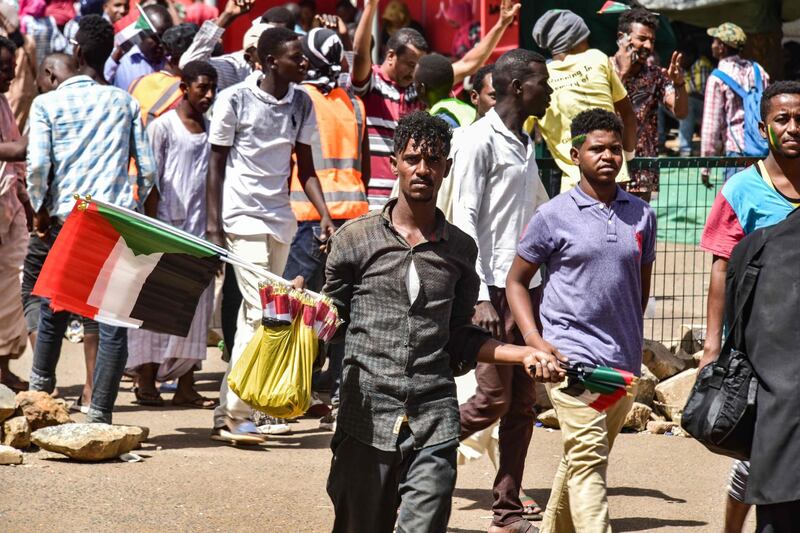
x=764 y=268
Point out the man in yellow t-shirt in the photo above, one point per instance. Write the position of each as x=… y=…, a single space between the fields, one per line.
x=581 y=78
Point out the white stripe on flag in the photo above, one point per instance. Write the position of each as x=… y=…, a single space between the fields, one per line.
x=119 y=283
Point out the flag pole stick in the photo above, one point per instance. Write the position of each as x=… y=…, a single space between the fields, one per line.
x=224 y=254
x=146 y=18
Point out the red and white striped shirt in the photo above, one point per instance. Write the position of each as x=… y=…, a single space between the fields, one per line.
x=723 y=111
x=384 y=104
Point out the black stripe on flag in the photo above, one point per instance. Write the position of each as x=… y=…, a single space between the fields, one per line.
x=169 y=296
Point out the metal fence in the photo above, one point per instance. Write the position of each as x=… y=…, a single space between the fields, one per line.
x=682 y=269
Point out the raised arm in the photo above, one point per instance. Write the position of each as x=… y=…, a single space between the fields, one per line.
x=211 y=32
x=678 y=100
x=362 y=57
x=475 y=58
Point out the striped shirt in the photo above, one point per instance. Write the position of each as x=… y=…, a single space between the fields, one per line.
x=86 y=133
x=231 y=68
x=384 y=103
x=723 y=111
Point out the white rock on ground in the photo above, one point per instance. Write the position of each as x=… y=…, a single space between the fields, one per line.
x=89 y=442
x=10 y=456
x=661 y=362
x=17 y=432
x=671 y=394
x=646 y=390
x=8 y=402
x=637 y=417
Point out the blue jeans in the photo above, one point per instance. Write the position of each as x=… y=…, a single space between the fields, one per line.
x=112 y=354
x=686 y=125
x=306 y=259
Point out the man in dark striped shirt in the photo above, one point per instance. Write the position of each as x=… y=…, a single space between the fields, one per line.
x=404 y=282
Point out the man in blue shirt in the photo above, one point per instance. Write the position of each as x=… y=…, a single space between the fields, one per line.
x=598 y=244
x=146 y=57
x=82 y=137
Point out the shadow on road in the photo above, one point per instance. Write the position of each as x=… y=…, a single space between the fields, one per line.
x=308 y=439
x=482 y=498
x=644 y=493
x=647 y=524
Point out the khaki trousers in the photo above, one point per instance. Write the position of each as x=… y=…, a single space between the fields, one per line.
x=267 y=252
x=578 y=499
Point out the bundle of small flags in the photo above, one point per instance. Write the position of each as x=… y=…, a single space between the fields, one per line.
x=281 y=304
x=599 y=387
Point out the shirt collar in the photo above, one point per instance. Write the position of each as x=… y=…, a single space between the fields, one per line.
x=81 y=78
x=499 y=126
x=441 y=233
x=253 y=81
x=584 y=200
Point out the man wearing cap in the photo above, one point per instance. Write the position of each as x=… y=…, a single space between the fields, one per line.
x=338 y=147
x=234 y=67
x=722 y=132
x=581 y=78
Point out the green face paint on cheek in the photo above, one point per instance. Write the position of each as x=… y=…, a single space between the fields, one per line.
x=773 y=138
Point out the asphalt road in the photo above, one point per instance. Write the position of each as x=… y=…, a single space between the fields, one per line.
x=188 y=482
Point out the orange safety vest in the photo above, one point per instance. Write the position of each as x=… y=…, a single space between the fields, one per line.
x=336 y=147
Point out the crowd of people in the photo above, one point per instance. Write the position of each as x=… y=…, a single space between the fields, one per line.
x=408 y=191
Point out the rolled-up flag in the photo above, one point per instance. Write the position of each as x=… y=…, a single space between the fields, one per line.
x=599 y=387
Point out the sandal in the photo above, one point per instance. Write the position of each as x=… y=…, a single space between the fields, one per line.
x=200 y=402
x=530 y=509
x=148 y=399
x=241 y=432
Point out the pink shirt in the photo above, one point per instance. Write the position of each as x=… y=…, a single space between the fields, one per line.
x=723 y=110
x=199 y=12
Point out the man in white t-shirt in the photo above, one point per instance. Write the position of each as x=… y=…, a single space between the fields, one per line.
x=256 y=126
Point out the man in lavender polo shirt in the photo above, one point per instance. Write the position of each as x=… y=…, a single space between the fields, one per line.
x=598 y=243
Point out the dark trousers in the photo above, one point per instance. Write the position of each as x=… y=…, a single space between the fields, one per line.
x=112 y=352
x=368 y=486
x=34 y=260
x=306 y=259
x=506 y=393
x=778 y=517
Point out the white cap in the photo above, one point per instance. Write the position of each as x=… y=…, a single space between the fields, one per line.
x=252 y=34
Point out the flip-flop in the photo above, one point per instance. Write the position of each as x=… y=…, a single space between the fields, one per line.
x=200 y=402
x=530 y=509
x=242 y=433
x=148 y=399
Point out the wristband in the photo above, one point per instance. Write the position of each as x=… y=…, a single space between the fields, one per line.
x=629 y=155
x=525 y=337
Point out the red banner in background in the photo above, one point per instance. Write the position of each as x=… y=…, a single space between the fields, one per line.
x=429 y=13
x=490 y=12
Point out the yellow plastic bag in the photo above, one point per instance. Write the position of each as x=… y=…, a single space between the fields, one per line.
x=273 y=374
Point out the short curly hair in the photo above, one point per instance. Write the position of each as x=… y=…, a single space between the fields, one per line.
x=591 y=120
x=96 y=38
x=271 y=41
x=427 y=132
x=776 y=89
x=637 y=15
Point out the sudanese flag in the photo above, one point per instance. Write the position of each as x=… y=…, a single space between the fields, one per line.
x=124 y=269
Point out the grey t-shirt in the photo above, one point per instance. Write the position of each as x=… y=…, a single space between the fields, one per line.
x=592 y=306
